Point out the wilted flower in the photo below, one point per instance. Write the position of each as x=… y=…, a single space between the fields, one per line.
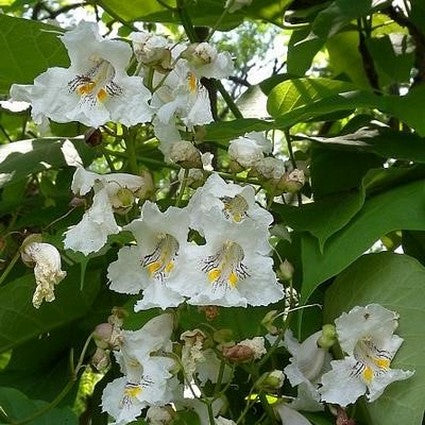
x=366 y=335
x=160 y=415
x=95 y=89
x=46 y=260
x=152 y=50
x=185 y=154
x=112 y=192
x=192 y=351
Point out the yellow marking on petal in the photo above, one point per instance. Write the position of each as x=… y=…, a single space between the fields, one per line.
x=367 y=374
x=102 y=94
x=193 y=84
x=382 y=363
x=132 y=391
x=233 y=279
x=153 y=267
x=214 y=274
x=169 y=267
x=86 y=88
x=237 y=217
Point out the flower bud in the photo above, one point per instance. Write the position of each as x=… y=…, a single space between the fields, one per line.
x=101 y=359
x=102 y=335
x=147 y=190
x=328 y=337
x=238 y=353
x=245 y=152
x=268 y=321
x=270 y=170
x=286 y=271
x=234 y=5
x=160 y=415
x=223 y=336
x=211 y=311
x=93 y=137
x=186 y=155
x=271 y=381
x=198 y=54
x=77 y=202
x=122 y=200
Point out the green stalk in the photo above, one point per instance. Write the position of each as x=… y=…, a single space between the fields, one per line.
x=10 y=266
x=182 y=187
x=228 y=99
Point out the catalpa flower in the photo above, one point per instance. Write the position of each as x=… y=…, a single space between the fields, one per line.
x=112 y=192
x=46 y=260
x=307 y=365
x=366 y=335
x=249 y=149
x=231 y=269
x=233 y=203
x=95 y=89
x=154 y=265
x=146 y=378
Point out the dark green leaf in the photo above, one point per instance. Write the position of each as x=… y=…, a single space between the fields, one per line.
x=28 y=49
x=397 y=283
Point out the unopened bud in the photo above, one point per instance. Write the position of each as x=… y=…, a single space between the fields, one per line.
x=286 y=271
x=147 y=190
x=101 y=359
x=328 y=337
x=238 y=353
x=93 y=137
x=211 y=311
x=77 y=202
x=102 y=335
x=268 y=322
x=185 y=154
x=271 y=381
x=223 y=336
x=160 y=415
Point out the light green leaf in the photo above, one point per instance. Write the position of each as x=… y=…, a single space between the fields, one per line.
x=20 y=321
x=28 y=49
x=404 y=208
x=20 y=159
x=227 y=130
x=18 y=407
x=397 y=283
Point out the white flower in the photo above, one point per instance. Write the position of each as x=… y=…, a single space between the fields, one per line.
x=95 y=89
x=181 y=96
x=290 y=416
x=192 y=350
x=366 y=336
x=91 y=233
x=256 y=344
x=146 y=378
x=47 y=269
x=249 y=149
x=231 y=269
x=156 y=261
x=234 y=5
x=307 y=364
x=204 y=61
x=233 y=202
x=150 y=48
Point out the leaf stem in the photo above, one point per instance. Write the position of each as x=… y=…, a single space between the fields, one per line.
x=186 y=21
x=10 y=266
x=228 y=99
x=182 y=187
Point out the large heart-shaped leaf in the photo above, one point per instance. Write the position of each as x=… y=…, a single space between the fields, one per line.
x=396 y=282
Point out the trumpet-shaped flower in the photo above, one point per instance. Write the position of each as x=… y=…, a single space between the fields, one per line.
x=366 y=335
x=155 y=263
x=307 y=364
x=146 y=378
x=231 y=269
x=95 y=89
x=233 y=203
x=47 y=269
x=91 y=233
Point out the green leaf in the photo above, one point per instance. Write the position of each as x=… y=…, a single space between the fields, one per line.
x=20 y=321
x=324 y=217
x=227 y=130
x=403 y=208
x=20 y=159
x=152 y=11
x=397 y=283
x=28 y=49
x=18 y=407
x=385 y=142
